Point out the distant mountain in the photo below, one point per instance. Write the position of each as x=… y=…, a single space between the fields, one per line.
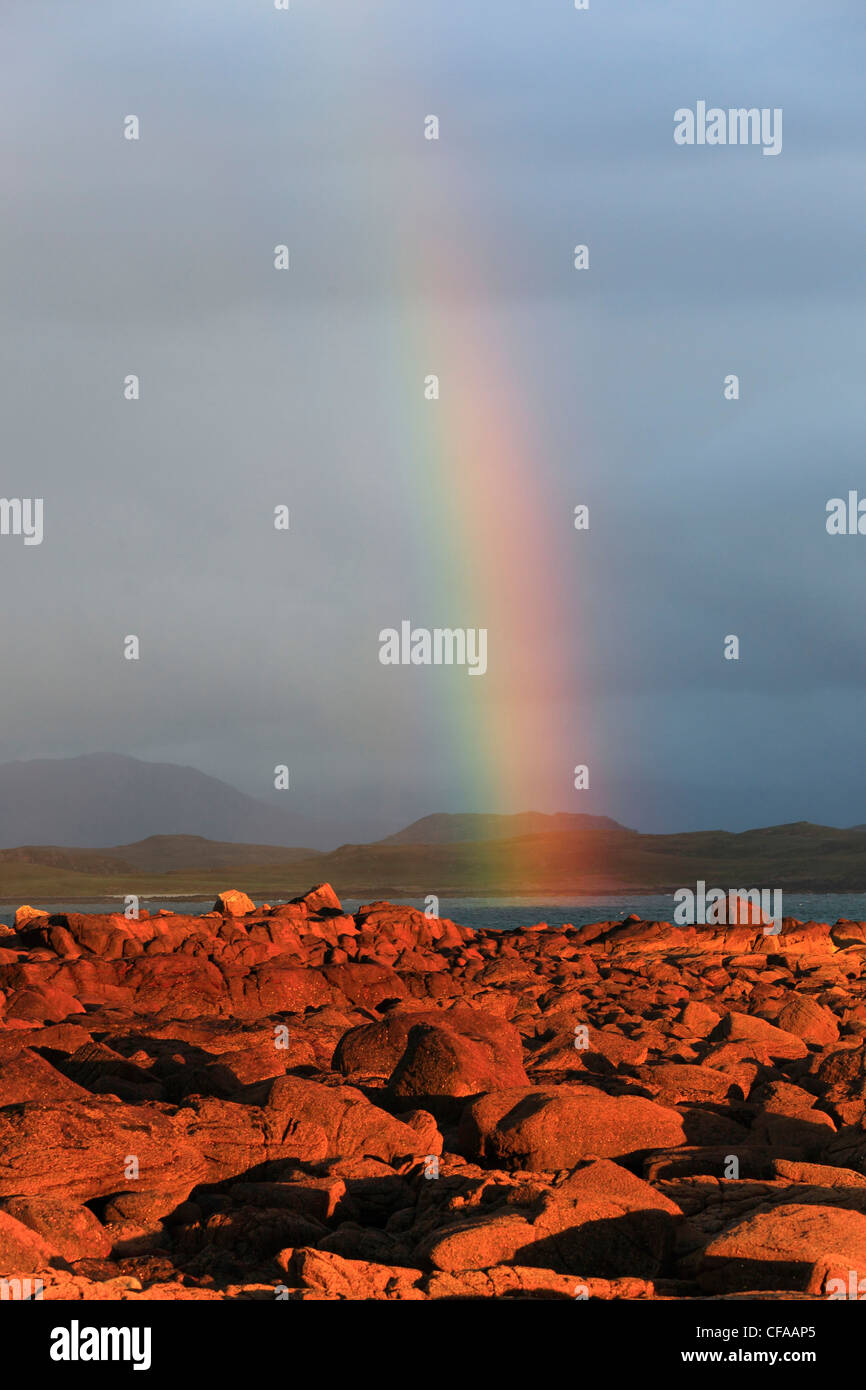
x=105 y=825
x=165 y=854
x=159 y=854
x=796 y=858
x=463 y=829
x=106 y=799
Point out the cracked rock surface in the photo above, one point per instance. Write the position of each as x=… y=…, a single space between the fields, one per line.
x=301 y=1103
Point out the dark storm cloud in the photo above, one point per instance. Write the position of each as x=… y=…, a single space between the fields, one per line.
x=707 y=515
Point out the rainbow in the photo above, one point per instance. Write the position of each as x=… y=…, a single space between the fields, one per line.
x=475 y=482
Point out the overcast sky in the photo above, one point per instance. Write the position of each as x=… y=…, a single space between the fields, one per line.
x=259 y=387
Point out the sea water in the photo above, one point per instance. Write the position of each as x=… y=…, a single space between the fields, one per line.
x=506 y=914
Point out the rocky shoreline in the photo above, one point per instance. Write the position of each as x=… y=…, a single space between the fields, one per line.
x=298 y=1102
